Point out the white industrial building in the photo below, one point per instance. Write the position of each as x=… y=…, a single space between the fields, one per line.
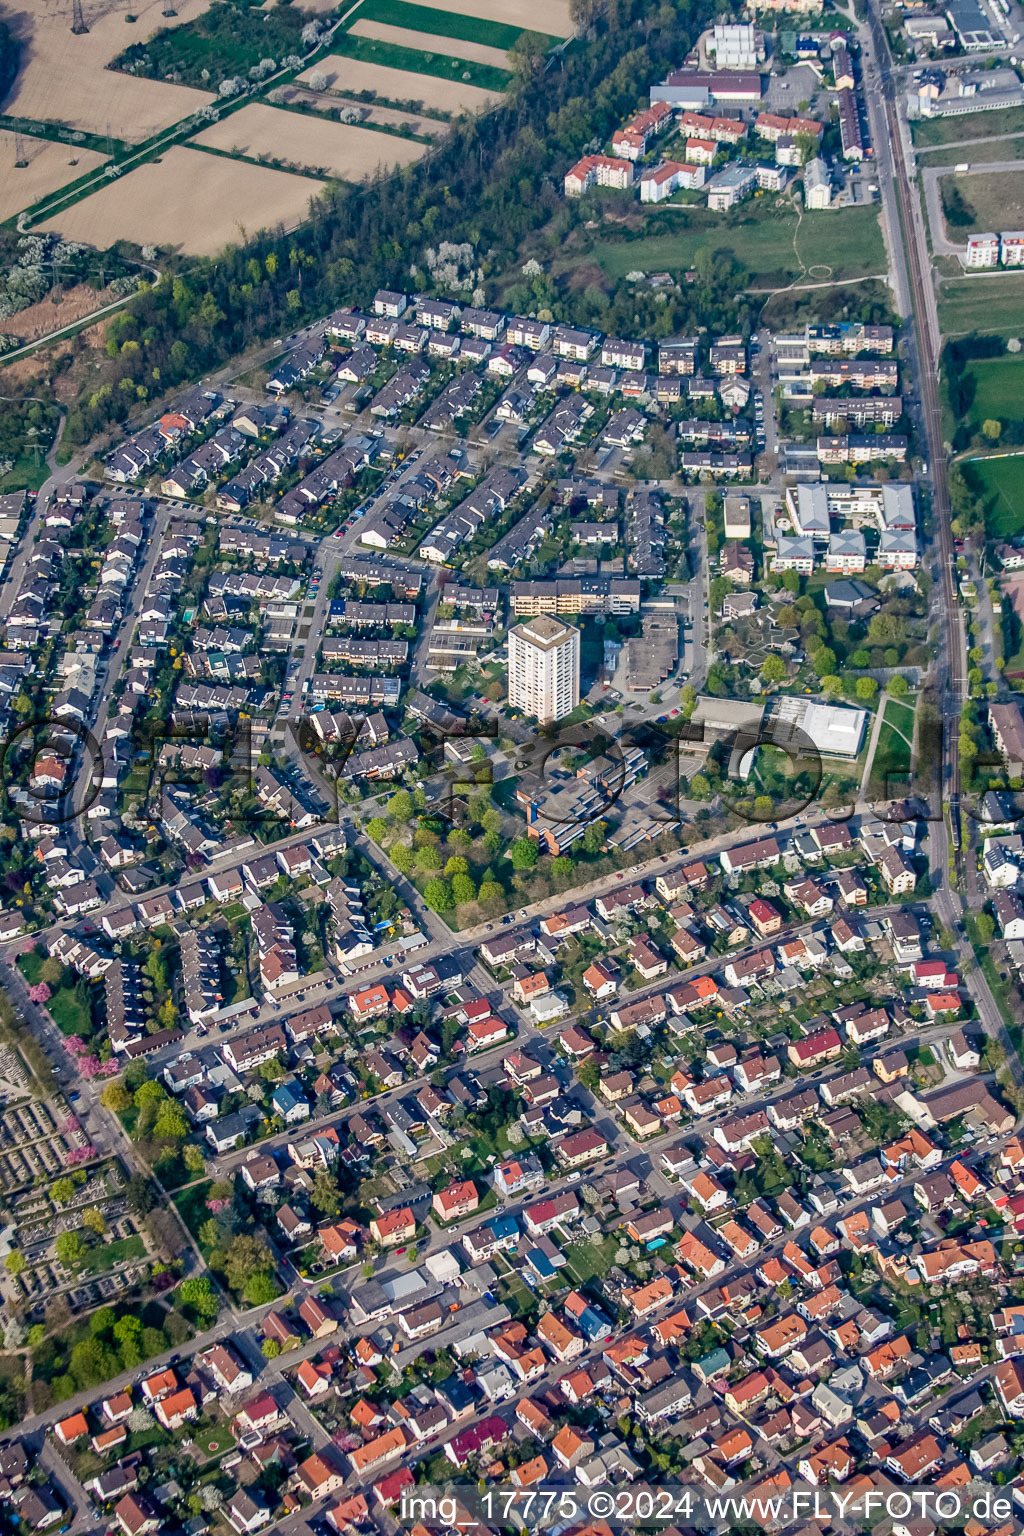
x=834 y=729
x=817 y=185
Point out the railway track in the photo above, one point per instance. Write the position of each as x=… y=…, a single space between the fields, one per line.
x=953 y=687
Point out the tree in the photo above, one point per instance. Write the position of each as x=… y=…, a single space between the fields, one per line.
x=62 y=1191
x=523 y=853
x=866 y=688
x=247 y=1256
x=94 y=1220
x=763 y=808
x=325 y=1195
x=456 y=865
x=700 y=787
x=115 y=1097
x=491 y=822
x=194 y=1160
x=400 y=806
x=270 y=1349
x=15 y=1262
x=718 y=591
x=403 y=858
x=991 y=429
x=171 y=1123
x=437 y=894
x=428 y=859
x=773 y=669
x=897 y=686
x=70 y=1249
x=463 y=890
x=824 y=661
x=984 y=927
x=491 y=893
x=260 y=1288
x=376 y=829
x=197 y=1294
x=51 y=971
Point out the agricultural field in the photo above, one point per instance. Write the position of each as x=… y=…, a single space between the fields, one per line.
x=384 y=117
x=990 y=305
x=397 y=57
x=452 y=47
x=350 y=76
x=846 y=242
x=227 y=38
x=64 y=79
x=188 y=201
x=50 y=166
x=995 y=200
x=960 y=130
x=331 y=149
x=550 y=16
x=999 y=482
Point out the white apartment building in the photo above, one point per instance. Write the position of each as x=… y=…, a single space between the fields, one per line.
x=982 y=251
x=544 y=668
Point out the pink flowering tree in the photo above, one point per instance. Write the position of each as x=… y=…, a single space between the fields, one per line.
x=216 y=1206
x=40 y=993
x=70 y=1125
x=79 y=1155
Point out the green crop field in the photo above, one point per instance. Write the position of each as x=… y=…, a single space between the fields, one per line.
x=988 y=305
x=393 y=56
x=1000 y=483
x=424 y=18
x=848 y=242
x=959 y=130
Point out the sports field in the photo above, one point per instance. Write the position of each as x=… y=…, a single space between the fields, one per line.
x=990 y=305
x=843 y=243
x=49 y=166
x=190 y=202
x=64 y=79
x=336 y=149
x=352 y=75
x=1000 y=483
x=998 y=390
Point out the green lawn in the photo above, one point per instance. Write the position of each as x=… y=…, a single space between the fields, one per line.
x=1000 y=482
x=848 y=241
x=980 y=154
x=591 y=1261
x=900 y=715
x=392 y=56
x=959 y=130
x=97 y=1260
x=892 y=756
x=989 y=305
x=424 y=18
